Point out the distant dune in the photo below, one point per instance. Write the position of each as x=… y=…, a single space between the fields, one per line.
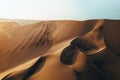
x=19 y=21
x=22 y=42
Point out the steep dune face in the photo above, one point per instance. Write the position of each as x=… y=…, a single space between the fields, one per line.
x=112 y=35
x=51 y=36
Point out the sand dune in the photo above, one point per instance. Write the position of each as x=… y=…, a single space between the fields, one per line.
x=21 y=22
x=20 y=44
x=29 y=39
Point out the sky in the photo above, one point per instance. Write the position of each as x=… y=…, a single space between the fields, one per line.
x=60 y=9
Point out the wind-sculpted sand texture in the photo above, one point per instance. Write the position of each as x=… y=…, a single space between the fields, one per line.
x=70 y=50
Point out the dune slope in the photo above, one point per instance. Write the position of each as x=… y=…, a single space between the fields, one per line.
x=20 y=44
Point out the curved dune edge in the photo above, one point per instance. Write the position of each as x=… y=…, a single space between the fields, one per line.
x=61 y=34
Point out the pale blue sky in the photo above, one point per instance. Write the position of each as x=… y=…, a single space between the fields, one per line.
x=60 y=9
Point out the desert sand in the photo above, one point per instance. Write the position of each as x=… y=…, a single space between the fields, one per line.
x=21 y=45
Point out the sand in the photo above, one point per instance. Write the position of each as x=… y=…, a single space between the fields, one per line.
x=22 y=44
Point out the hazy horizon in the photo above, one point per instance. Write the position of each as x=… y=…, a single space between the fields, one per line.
x=60 y=9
